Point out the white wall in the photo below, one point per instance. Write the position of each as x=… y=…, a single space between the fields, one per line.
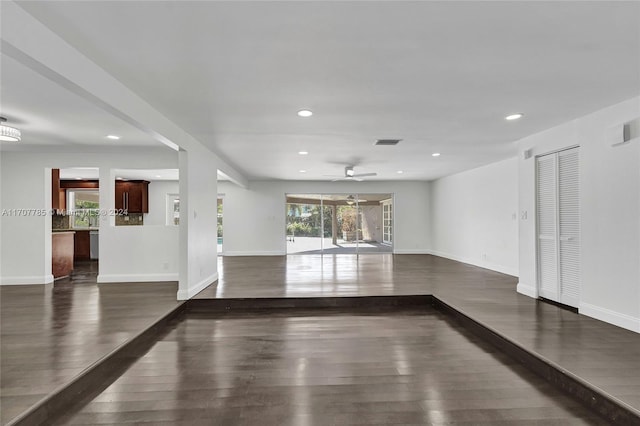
x=255 y=218
x=610 y=211
x=198 y=221
x=158 y=190
x=139 y=253
x=25 y=179
x=473 y=216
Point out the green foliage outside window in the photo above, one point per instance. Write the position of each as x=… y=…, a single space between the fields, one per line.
x=85 y=213
x=305 y=220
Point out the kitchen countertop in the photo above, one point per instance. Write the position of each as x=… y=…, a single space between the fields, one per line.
x=74 y=229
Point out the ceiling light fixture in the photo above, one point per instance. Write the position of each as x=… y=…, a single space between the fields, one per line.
x=305 y=113
x=349 y=171
x=158 y=176
x=9 y=134
x=514 y=116
x=435 y=154
x=303 y=152
x=302 y=171
x=400 y=172
x=113 y=137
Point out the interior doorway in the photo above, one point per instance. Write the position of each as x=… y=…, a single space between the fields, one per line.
x=75 y=223
x=339 y=223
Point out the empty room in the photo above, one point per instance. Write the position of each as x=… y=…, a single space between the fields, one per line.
x=319 y=213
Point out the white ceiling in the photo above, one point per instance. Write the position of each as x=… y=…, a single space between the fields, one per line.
x=49 y=114
x=439 y=75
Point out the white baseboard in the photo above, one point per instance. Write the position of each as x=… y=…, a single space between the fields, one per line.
x=527 y=290
x=253 y=253
x=190 y=292
x=29 y=280
x=612 y=317
x=136 y=278
x=411 y=251
x=482 y=264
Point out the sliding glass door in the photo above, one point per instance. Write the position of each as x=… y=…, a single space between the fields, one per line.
x=339 y=223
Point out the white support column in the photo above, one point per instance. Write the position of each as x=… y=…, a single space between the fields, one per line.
x=198 y=222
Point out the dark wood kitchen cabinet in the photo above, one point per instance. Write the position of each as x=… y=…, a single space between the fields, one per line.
x=82 y=245
x=55 y=189
x=132 y=196
x=62 y=251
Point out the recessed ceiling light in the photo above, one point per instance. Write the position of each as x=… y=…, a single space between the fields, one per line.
x=303 y=152
x=158 y=176
x=514 y=116
x=435 y=154
x=113 y=137
x=78 y=178
x=400 y=172
x=305 y=113
x=302 y=171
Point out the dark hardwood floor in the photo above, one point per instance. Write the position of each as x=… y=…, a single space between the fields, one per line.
x=327 y=367
x=601 y=354
x=51 y=333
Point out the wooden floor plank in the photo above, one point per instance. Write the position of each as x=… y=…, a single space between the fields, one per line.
x=50 y=333
x=318 y=369
x=602 y=354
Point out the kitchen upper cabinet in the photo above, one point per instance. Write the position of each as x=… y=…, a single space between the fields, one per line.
x=59 y=189
x=62 y=200
x=132 y=196
x=56 y=191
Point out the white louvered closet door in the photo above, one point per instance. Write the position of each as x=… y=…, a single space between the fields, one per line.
x=546 y=202
x=558 y=224
x=569 y=229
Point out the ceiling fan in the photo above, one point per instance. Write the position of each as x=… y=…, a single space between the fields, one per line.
x=349 y=174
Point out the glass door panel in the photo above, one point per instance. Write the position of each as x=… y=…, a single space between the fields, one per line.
x=304 y=228
x=339 y=223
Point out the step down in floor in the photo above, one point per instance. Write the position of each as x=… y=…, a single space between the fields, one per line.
x=101 y=374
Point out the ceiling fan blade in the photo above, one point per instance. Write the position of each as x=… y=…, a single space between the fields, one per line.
x=365 y=174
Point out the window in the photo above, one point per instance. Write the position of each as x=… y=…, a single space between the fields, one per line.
x=387 y=222
x=83 y=206
x=173 y=209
